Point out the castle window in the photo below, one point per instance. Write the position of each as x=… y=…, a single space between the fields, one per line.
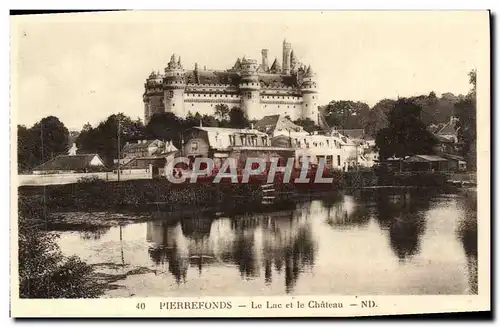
x=307 y=105
x=294 y=106
x=288 y=106
x=192 y=104
x=313 y=97
x=278 y=106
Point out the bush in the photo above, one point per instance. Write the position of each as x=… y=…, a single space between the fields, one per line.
x=90 y=180
x=43 y=270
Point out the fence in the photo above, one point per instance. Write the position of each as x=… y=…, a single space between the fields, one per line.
x=55 y=179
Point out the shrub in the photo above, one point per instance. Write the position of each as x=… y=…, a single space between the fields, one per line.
x=44 y=272
x=90 y=180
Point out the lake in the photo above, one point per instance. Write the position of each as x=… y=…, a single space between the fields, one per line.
x=358 y=243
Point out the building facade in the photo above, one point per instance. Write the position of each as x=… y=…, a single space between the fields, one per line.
x=220 y=144
x=259 y=89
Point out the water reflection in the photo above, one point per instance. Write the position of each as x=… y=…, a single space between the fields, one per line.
x=346 y=212
x=408 y=241
x=253 y=244
x=467 y=234
x=403 y=214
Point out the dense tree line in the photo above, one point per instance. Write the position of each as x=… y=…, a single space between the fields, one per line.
x=465 y=111
x=358 y=115
x=43 y=141
x=49 y=137
x=408 y=120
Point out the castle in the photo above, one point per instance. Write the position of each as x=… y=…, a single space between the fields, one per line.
x=259 y=89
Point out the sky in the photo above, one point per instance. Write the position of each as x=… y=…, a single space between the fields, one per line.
x=84 y=67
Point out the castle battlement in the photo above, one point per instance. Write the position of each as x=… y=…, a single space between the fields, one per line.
x=259 y=89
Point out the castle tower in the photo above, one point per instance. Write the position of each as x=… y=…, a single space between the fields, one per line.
x=286 y=57
x=153 y=96
x=309 y=91
x=265 y=63
x=293 y=62
x=174 y=85
x=250 y=89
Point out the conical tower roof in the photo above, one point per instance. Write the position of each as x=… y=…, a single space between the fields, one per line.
x=309 y=71
x=237 y=64
x=275 y=67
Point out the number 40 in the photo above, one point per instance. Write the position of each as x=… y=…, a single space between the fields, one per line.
x=141 y=306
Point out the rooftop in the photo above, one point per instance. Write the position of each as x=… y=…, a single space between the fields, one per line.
x=67 y=162
x=425 y=158
x=222 y=130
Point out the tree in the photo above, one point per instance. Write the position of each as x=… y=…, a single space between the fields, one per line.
x=346 y=114
x=406 y=134
x=221 y=112
x=25 y=149
x=104 y=138
x=165 y=126
x=45 y=140
x=466 y=112
x=237 y=118
x=308 y=124
x=377 y=116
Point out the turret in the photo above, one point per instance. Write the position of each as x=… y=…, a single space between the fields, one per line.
x=153 y=96
x=309 y=91
x=174 y=84
x=250 y=89
x=265 y=63
x=286 y=57
x=293 y=62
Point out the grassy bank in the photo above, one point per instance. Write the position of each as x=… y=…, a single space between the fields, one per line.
x=143 y=194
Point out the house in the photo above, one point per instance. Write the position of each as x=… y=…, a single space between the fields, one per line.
x=426 y=162
x=78 y=163
x=449 y=130
x=447 y=138
x=358 y=136
x=275 y=125
x=366 y=154
x=455 y=162
x=315 y=146
x=139 y=155
x=221 y=143
x=145 y=148
x=339 y=151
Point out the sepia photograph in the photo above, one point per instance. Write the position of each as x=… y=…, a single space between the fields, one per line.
x=181 y=160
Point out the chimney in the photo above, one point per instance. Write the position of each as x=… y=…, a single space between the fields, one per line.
x=265 y=63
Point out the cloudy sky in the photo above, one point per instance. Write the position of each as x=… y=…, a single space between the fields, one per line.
x=82 y=68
